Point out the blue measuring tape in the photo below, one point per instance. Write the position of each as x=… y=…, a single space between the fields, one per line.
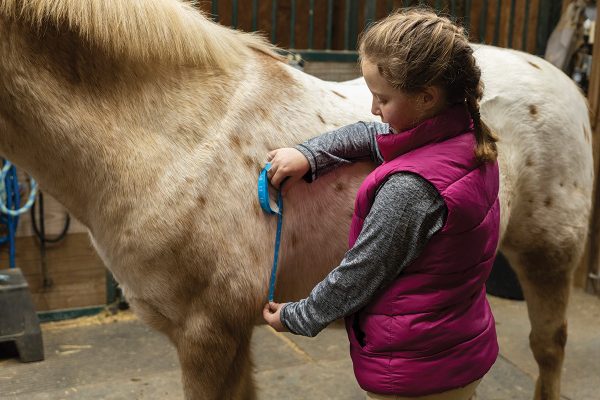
x=270 y=207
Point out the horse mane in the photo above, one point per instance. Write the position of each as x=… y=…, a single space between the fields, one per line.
x=172 y=31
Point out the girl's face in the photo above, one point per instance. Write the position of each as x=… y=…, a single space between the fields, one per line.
x=399 y=109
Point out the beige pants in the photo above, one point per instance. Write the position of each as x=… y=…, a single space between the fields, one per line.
x=463 y=393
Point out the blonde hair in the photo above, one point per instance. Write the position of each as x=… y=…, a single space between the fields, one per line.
x=415 y=48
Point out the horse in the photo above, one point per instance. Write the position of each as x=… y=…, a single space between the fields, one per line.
x=150 y=123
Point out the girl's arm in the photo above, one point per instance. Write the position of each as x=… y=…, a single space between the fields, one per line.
x=321 y=154
x=406 y=212
x=343 y=146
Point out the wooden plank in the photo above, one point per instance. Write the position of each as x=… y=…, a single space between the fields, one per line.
x=333 y=71
x=77 y=273
x=475 y=18
x=594 y=86
x=504 y=23
x=519 y=24
x=490 y=21
x=591 y=261
x=534 y=6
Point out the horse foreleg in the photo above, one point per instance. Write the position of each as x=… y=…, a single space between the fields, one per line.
x=215 y=360
x=213 y=350
x=545 y=277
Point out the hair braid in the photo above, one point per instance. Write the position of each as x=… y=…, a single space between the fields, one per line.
x=486 y=149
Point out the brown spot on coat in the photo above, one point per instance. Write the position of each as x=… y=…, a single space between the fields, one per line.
x=339 y=186
x=294 y=240
x=236 y=142
x=201 y=201
x=321 y=118
x=548 y=201
x=534 y=65
x=533 y=109
x=248 y=161
x=263 y=112
x=339 y=94
x=254 y=255
x=528 y=162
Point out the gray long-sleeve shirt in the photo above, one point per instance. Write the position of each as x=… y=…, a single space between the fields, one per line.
x=406 y=212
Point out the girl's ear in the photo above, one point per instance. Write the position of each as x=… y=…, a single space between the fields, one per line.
x=432 y=98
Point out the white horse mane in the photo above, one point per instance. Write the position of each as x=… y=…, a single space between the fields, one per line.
x=170 y=31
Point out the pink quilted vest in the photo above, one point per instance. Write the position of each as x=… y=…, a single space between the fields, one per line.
x=432 y=329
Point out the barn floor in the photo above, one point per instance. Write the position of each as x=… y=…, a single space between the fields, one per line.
x=116 y=357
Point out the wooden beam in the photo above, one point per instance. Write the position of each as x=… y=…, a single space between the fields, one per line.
x=591 y=259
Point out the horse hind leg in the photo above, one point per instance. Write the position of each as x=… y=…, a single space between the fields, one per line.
x=545 y=273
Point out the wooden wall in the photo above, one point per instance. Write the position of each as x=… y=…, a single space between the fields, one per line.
x=264 y=20
x=77 y=274
x=481 y=22
x=518 y=32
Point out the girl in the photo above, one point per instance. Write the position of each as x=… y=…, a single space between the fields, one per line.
x=426 y=221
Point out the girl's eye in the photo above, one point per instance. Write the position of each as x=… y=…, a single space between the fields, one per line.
x=380 y=100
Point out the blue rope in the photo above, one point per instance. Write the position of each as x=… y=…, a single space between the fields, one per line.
x=10 y=199
x=13 y=221
x=4 y=206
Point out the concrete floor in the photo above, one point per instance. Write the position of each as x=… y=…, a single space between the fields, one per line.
x=116 y=357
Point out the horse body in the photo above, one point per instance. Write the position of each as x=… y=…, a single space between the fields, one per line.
x=158 y=155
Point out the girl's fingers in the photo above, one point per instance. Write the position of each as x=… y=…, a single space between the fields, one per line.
x=269 y=312
x=266 y=309
x=267 y=316
x=277 y=177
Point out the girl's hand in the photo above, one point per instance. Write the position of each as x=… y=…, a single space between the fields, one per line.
x=288 y=163
x=272 y=314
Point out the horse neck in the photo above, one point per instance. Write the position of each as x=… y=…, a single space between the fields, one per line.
x=96 y=133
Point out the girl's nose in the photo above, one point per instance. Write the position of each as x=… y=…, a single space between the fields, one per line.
x=375 y=108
